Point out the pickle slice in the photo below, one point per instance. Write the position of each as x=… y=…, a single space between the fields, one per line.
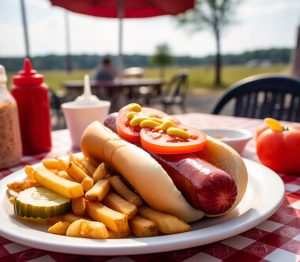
x=40 y=202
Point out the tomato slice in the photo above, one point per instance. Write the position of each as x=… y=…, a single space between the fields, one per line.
x=132 y=134
x=162 y=143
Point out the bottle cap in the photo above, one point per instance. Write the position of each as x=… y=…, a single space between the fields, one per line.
x=3 y=77
x=87 y=99
x=28 y=76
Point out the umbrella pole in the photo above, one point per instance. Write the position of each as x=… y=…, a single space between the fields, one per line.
x=25 y=29
x=68 y=43
x=121 y=16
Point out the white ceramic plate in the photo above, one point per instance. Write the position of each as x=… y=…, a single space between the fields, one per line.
x=263 y=196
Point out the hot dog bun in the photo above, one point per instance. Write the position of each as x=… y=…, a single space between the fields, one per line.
x=148 y=178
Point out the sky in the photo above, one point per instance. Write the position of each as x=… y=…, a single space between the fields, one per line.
x=258 y=24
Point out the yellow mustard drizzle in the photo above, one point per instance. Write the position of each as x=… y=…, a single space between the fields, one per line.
x=137 y=118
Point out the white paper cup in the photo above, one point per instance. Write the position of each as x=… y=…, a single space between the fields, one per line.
x=79 y=117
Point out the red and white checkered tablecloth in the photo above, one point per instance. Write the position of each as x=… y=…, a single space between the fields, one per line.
x=276 y=239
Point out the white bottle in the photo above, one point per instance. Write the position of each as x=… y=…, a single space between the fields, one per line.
x=10 y=138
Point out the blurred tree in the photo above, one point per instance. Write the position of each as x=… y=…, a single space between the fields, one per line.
x=162 y=57
x=214 y=14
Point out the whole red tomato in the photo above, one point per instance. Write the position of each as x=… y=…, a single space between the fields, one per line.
x=279 y=150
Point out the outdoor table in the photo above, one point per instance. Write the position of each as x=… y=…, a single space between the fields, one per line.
x=115 y=87
x=276 y=239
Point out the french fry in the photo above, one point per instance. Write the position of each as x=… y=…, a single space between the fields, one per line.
x=52 y=163
x=63 y=163
x=70 y=217
x=76 y=172
x=29 y=170
x=59 y=185
x=84 y=229
x=112 y=219
x=113 y=234
x=119 y=204
x=88 y=229
x=59 y=228
x=124 y=191
x=87 y=183
x=142 y=227
x=93 y=229
x=98 y=191
x=165 y=223
x=88 y=166
x=74 y=229
x=65 y=175
x=78 y=206
x=19 y=186
x=100 y=172
x=77 y=160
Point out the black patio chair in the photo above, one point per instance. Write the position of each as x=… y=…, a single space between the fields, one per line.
x=276 y=96
x=176 y=91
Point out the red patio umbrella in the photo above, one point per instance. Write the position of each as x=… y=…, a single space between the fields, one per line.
x=125 y=9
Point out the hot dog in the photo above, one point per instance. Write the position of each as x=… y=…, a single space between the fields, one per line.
x=152 y=182
x=195 y=178
x=205 y=186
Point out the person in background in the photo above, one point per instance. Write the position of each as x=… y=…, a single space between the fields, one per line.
x=105 y=71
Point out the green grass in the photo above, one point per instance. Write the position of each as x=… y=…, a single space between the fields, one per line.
x=200 y=77
x=54 y=79
x=203 y=77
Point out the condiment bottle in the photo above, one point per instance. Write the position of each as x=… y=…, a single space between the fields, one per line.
x=10 y=139
x=31 y=94
x=86 y=109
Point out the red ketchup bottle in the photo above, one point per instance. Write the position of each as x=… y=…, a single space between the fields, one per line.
x=31 y=94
